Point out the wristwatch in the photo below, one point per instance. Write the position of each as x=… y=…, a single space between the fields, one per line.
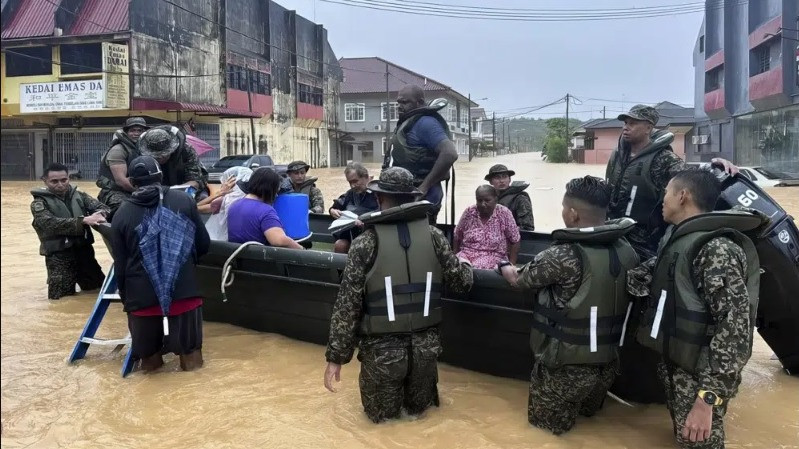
x=503 y=263
x=710 y=398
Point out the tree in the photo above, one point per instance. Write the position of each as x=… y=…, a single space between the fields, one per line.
x=555 y=150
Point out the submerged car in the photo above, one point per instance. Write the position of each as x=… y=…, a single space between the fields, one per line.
x=252 y=161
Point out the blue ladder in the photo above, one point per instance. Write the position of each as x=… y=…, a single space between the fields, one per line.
x=108 y=294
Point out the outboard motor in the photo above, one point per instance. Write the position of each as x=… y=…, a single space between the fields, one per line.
x=778 y=248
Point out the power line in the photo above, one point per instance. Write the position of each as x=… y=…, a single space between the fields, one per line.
x=428 y=9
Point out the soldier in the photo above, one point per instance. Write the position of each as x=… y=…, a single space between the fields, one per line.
x=296 y=171
x=581 y=307
x=638 y=172
x=113 y=179
x=422 y=144
x=702 y=295
x=389 y=302
x=178 y=159
x=512 y=195
x=62 y=217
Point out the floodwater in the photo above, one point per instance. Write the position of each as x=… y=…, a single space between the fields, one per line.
x=263 y=390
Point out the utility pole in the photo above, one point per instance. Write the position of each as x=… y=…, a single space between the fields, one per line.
x=249 y=103
x=469 y=106
x=567 y=119
x=388 y=119
x=494 y=132
x=603 y=112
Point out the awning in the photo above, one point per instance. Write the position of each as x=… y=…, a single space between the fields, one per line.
x=142 y=104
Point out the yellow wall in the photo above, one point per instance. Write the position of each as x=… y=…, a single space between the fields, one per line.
x=10 y=86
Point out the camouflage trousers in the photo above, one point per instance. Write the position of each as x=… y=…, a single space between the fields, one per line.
x=72 y=266
x=396 y=377
x=558 y=395
x=681 y=389
x=113 y=199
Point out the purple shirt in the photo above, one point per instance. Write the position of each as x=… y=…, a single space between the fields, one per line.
x=248 y=219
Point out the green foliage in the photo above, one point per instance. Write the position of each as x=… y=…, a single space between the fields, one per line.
x=556 y=150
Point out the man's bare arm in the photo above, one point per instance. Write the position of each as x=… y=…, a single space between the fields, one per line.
x=447 y=155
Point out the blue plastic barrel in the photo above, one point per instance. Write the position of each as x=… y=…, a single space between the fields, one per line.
x=292 y=208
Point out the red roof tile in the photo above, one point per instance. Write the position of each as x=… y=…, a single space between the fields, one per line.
x=101 y=16
x=34 y=18
x=367 y=75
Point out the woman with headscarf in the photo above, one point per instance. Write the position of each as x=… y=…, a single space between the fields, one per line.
x=219 y=203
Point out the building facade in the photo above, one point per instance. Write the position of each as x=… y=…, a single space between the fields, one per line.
x=249 y=75
x=746 y=61
x=362 y=115
x=596 y=139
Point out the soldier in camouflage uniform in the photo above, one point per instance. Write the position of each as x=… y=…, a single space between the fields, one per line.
x=296 y=171
x=115 y=187
x=178 y=159
x=580 y=311
x=705 y=350
x=638 y=172
x=398 y=338
x=512 y=195
x=62 y=217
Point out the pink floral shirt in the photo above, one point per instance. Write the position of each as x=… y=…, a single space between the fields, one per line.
x=485 y=244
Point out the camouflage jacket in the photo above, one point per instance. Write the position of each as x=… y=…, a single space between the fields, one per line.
x=559 y=268
x=316 y=203
x=184 y=166
x=665 y=165
x=720 y=271
x=348 y=309
x=48 y=225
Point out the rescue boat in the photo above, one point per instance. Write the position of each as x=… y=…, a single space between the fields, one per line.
x=292 y=292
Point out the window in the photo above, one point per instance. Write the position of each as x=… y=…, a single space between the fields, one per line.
x=29 y=61
x=761 y=59
x=249 y=80
x=701 y=44
x=713 y=79
x=451 y=114
x=464 y=118
x=393 y=111
x=354 y=112
x=309 y=95
x=81 y=58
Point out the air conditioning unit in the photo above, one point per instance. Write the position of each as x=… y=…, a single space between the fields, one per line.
x=452 y=127
x=378 y=127
x=700 y=140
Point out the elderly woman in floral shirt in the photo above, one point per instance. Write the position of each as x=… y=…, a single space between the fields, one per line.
x=487 y=233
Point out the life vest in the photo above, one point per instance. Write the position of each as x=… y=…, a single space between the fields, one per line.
x=509 y=195
x=417 y=160
x=105 y=179
x=591 y=327
x=676 y=321
x=305 y=187
x=643 y=202
x=71 y=206
x=403 y=287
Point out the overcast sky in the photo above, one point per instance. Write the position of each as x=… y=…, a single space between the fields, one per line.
x=521 y=64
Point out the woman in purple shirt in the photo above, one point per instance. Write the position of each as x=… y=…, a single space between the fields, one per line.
x=253 y=219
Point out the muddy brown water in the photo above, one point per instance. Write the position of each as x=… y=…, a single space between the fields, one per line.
x=265 y=390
